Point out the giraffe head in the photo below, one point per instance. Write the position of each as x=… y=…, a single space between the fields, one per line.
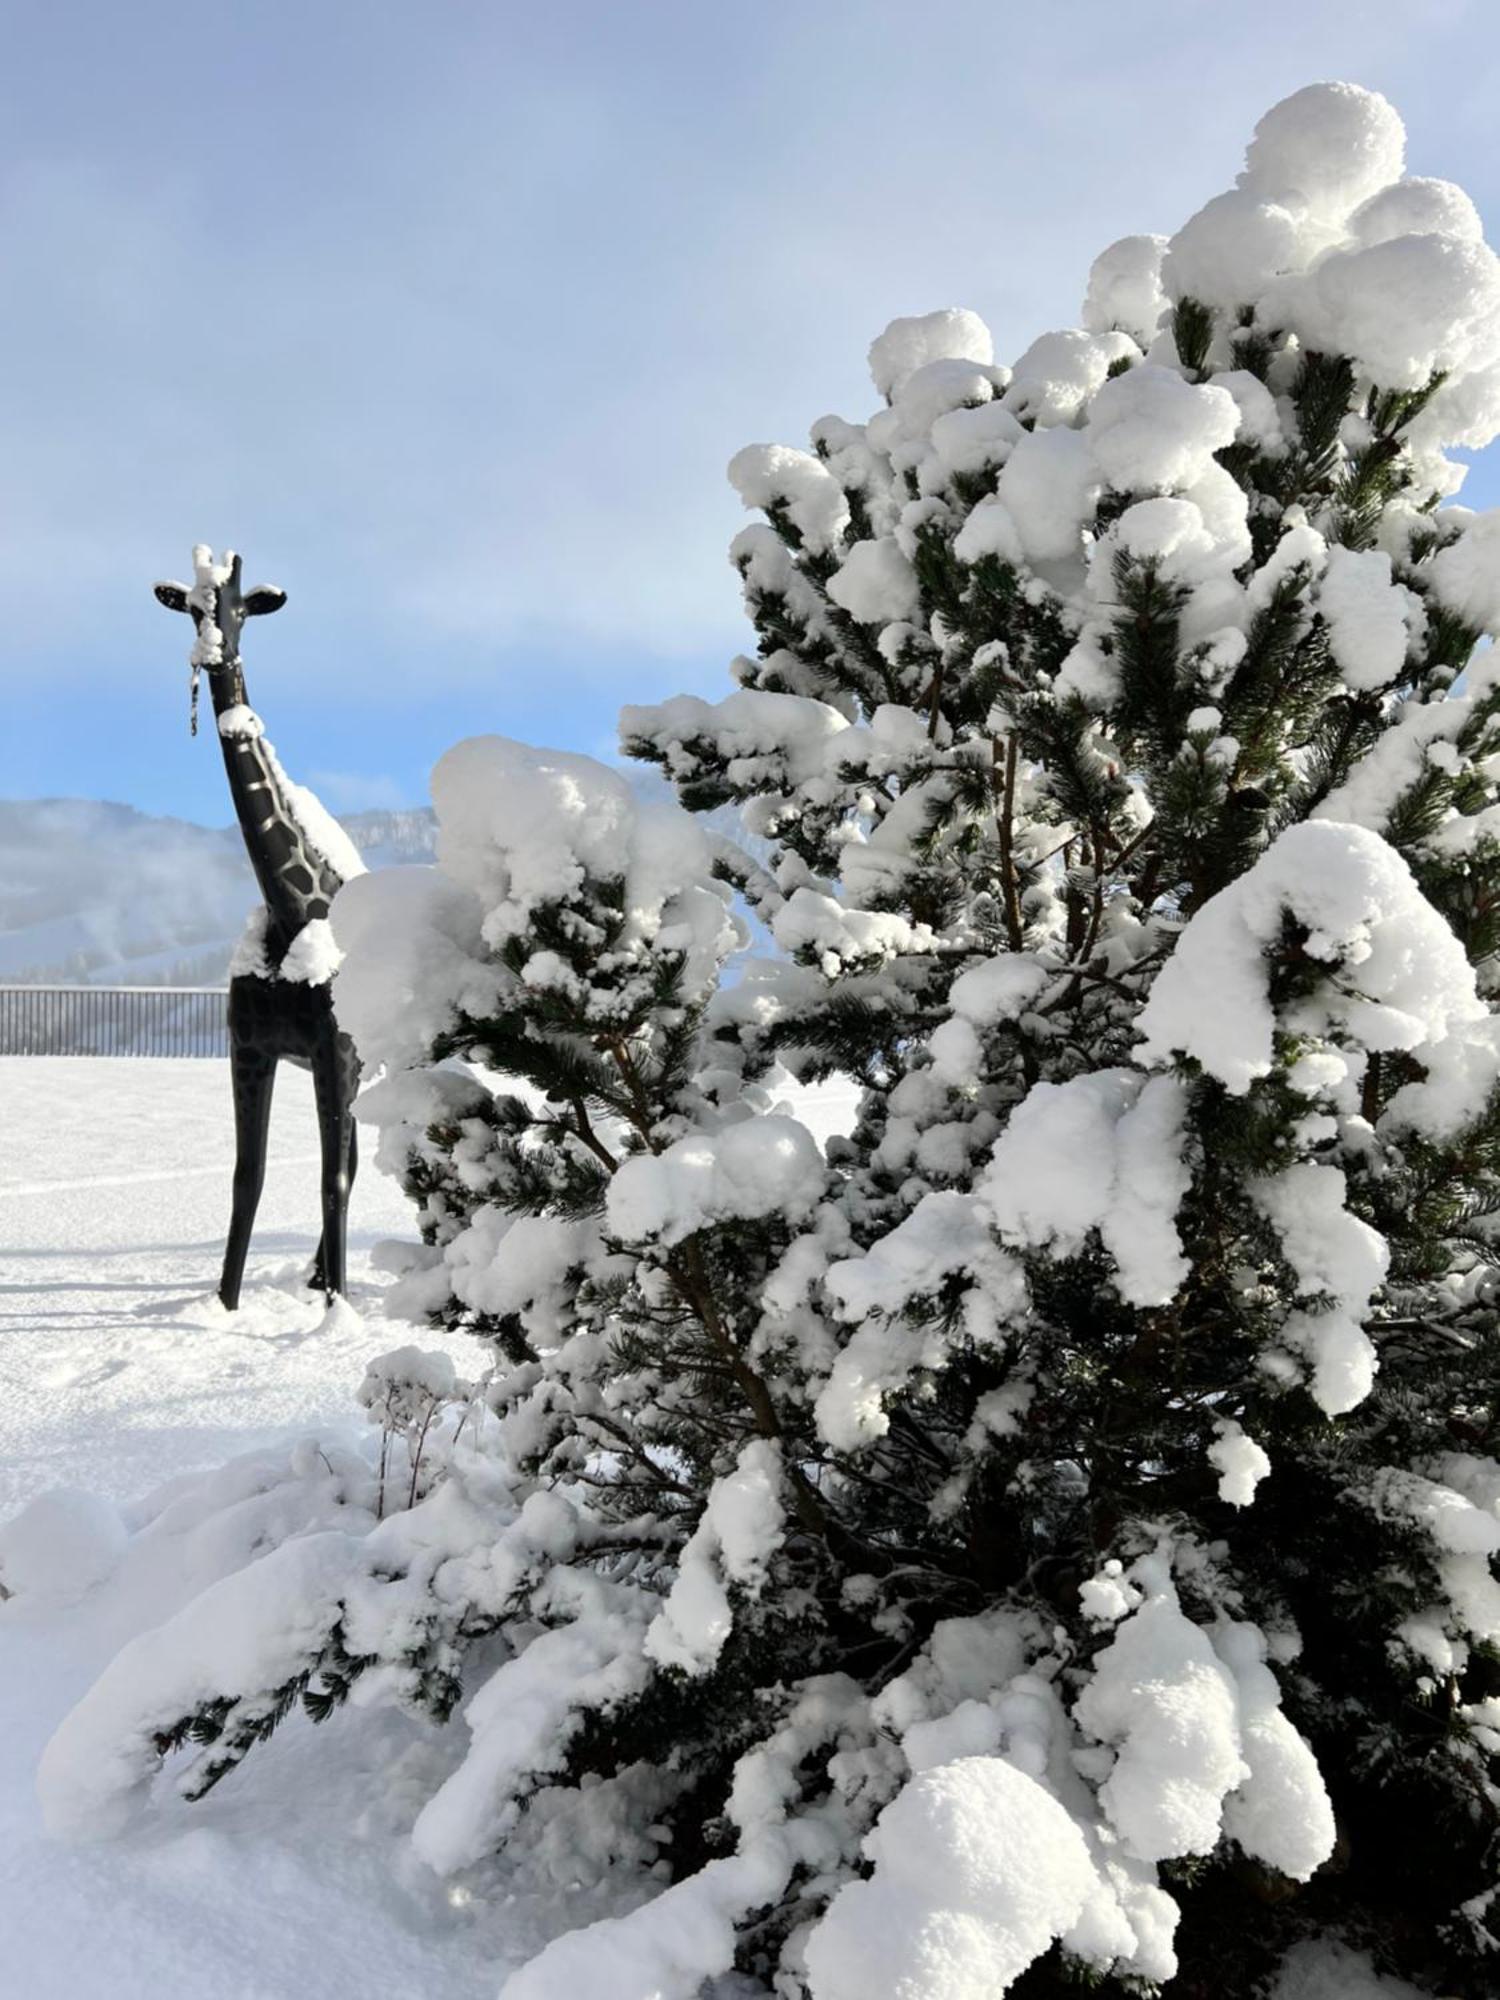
x=218 y=606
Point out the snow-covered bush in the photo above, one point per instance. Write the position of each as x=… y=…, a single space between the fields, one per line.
x=1050 y=1536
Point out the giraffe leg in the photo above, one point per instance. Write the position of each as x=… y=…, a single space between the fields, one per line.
x=253 y=1073
x=334 y=1082
x=317 y=1278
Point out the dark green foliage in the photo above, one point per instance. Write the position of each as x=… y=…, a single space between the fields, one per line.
x=228 y=1730
x=1047 y=818
x=1192 y=330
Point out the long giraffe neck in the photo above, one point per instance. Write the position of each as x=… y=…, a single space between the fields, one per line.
x=297 y=882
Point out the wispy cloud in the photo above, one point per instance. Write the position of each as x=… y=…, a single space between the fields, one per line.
x=452 y=321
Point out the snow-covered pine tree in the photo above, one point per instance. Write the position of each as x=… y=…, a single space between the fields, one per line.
x=1051 y=1538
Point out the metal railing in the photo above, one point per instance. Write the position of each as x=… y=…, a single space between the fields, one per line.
x=113 y=1021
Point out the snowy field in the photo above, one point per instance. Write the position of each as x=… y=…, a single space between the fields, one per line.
x=117 y=1366
x=120 y=1373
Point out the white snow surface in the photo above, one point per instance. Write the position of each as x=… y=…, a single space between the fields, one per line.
x=1201 y=1741
x=977 y=1870
x=740 y=1531
x=1327 y=146
x=1098 y=1152
x=778 y=475
x=1240 y=1462
x=875 y=583
x=143 y=1437
x=1466 y=574
x=1149 y=429
x=754 y=1168
x=148 y=1442
x=1398 y=978
x=951 y=334
x=1369 y=617
x=1124 y=289
x=123 y=1377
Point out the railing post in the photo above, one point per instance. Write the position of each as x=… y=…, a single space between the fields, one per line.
x=114 y=1020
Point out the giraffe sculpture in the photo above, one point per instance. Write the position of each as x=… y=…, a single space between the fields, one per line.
x=280 y=1001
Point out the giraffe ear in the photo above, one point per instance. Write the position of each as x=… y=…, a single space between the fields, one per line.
x=264 y=599
x=173 y=595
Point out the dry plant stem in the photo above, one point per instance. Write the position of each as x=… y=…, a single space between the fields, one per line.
x=416 y=1458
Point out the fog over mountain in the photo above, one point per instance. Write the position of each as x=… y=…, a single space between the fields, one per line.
x=101 y=893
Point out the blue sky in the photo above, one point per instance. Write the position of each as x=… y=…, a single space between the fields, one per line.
x=451 y=316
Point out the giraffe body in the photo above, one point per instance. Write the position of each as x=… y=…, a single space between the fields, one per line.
x=280 y=1002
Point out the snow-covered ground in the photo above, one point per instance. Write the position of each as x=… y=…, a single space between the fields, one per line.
x=117 y=1366
x=119 y=1372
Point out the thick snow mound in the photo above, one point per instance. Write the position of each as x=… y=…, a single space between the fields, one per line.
x=947 y=1234
x=1059 y=372
x=1398 y=977
x=1233 y=250
x=1404 y=309
x=764 y=737
x=1417 y=207
x=524 y=827
x=60 y=1545
x=876 y=584
x=413 y=953
x=776 y=475
x=1370 y=618
x=978 y=1870
x=1466 y=574
x=249 y=1631
x=1327 y=147
x=952 y=334
x=757 y=1167
x=1099 y=1153
x=1124 y=290
x=1162 y=1696
x=1050 y=485
x=520 y=830
x=1281 y=1814
x=1240 y=1462
x=1150 y=430
x=522 y=1720
x=740 y=1530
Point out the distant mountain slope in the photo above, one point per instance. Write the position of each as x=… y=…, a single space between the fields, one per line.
x=97 y=892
